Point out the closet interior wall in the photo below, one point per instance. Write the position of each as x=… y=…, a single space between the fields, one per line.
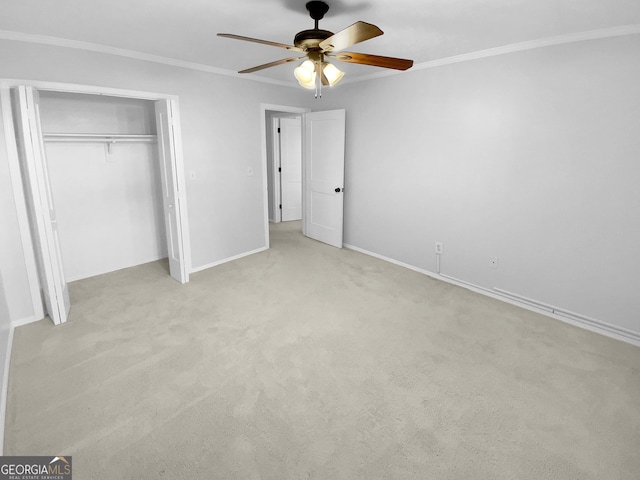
x=105 y=179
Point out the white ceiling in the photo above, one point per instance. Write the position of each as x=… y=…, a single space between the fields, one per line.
x=422 y=30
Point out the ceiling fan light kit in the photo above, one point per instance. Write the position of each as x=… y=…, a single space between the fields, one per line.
x=317 y=45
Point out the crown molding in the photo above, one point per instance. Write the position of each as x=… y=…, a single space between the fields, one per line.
x=506 y=49
x=619 y=31
x=121 y=52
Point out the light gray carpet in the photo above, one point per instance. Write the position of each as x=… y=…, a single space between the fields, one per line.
x=309 y=362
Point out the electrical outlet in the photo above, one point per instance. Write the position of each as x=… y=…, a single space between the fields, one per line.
x=493 y=262
x=439 y=247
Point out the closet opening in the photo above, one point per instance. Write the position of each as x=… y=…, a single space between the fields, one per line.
x=104 y=185
x=102 y=155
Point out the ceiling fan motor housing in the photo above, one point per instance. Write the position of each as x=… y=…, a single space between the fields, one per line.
x=309 y=39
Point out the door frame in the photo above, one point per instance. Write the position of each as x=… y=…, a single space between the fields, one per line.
x=16 y=178
x=278 y=109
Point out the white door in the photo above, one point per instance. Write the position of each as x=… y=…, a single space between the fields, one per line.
x=174 y=200
x=291 y=168
x=324 y=175
x=40 y=203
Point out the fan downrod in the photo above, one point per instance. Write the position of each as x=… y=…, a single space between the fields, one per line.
x=309 y=39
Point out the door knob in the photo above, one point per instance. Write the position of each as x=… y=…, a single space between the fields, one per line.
x=338 y=190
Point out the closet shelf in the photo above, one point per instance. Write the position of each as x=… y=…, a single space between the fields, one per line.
x=98 y=137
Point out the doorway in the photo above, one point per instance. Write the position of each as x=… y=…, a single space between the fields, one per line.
x=271 y=118
x=286 y=165
x=322 y=137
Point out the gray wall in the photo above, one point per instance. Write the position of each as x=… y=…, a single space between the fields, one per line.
x=532 y=157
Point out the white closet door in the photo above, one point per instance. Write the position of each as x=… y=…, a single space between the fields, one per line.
x=324 y=175
x=40 y=203
x=174 y=200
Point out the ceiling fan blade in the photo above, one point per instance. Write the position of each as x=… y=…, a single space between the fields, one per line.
x=271 y=64
x=374 y=60
x=264 y=42
x=356 y=33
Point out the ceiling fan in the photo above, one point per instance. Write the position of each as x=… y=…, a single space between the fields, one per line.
x=317 y=45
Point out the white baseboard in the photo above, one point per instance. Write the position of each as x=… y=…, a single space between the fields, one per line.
x=579 y=320
x=24 y=321
x=226 y=260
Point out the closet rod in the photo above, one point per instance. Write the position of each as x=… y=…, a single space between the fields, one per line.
x=98 y=137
